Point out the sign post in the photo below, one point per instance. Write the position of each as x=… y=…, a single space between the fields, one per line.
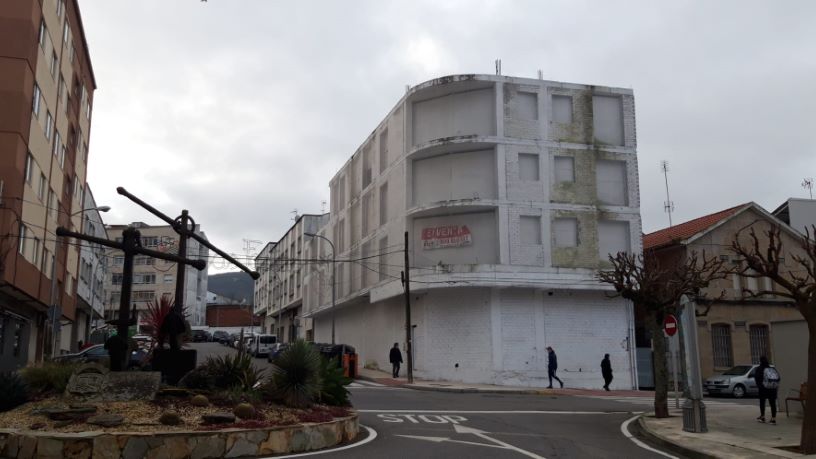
x=694 y=417
x=670 y=329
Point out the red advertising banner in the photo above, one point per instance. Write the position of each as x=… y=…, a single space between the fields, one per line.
x=446 y=236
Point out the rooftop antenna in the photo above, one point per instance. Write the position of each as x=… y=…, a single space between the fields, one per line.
x=540 y=74
x=668 y=205
x=808 y=184
x=498 y=66
x=249 y=250
x=323 y=206
x=294 y=213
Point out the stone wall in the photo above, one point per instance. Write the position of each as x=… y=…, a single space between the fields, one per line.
x=194 y=444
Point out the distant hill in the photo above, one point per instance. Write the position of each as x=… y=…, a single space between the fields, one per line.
x=238 y=286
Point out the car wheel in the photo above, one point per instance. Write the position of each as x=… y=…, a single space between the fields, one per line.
x=738 y=391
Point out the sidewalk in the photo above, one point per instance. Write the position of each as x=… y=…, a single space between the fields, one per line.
x=381 y=377
x=733 y=432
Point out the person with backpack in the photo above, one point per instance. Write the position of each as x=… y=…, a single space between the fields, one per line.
x=767 y=381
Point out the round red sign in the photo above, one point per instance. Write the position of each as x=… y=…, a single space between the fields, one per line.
x=670 y=325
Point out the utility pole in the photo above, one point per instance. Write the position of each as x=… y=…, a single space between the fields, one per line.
x=406 y=282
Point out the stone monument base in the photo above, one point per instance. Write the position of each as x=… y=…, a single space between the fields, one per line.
x=174 y=364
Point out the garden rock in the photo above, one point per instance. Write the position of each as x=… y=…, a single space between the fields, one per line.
x=244 y=411
x=170 y=418
x=172 y=392
x=200 y=400
x=106 y=420
x=67 y=414
x=218 y=418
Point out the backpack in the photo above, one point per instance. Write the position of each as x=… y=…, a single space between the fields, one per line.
x=770 y=378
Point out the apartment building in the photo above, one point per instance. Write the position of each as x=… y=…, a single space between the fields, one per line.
x=154 y=278
x=513 y=191
x=46 y=97
x=279 y=290
x=93 y=268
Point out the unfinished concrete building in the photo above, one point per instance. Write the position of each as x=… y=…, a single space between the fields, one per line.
x=513 y=192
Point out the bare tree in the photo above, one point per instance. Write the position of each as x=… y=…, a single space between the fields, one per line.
x=657 y=291
x=797 y=282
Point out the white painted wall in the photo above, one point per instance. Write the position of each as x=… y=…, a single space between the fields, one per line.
x=468 y=175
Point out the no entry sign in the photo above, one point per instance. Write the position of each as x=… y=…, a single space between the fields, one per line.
x=670 y=325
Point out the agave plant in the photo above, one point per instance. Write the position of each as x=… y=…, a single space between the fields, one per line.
x=333 y=389
x=12 y=391
x=296 y=379
x=157 y=312
x=233 y=371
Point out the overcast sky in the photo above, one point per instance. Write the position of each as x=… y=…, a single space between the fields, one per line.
x=241 y=111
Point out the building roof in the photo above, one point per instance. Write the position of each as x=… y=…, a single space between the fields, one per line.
x=677 y=233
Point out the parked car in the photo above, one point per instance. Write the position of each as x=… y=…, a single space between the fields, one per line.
x=737 y=381
x=220 y=336
x=260 y=345
x=201 y=336
x=275 y=351
x=98 y=354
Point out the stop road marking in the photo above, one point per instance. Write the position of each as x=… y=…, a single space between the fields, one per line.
x=422 y=418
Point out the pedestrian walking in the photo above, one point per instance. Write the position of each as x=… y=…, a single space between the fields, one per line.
x=606 y=371
x=767 y=381
x=395 y=357
x=552 y=367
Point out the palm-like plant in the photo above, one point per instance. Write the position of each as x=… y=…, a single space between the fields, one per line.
x=333 y=389
x=233 y=371
x=157 y=313
x=296 y=379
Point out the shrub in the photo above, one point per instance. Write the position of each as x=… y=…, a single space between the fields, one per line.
x=233 y=371
x=296 y=376
x=333 y=391
x=50 y=377
x=12 y=391
x=198 y=378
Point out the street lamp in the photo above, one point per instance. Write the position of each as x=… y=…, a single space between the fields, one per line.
x=334 y=263
x=54 y=308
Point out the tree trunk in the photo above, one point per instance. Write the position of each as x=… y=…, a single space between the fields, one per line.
x=661 y=379
x=808 y=440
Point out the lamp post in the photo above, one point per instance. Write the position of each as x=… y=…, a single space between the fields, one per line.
x=334 y=264
x=55 y=318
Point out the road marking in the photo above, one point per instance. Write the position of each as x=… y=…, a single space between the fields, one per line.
x=417 y=419
x=372 y=434
x=625 y=430
x=359 y=383
x=482 y=434
x=490 y=412
x=441 y=439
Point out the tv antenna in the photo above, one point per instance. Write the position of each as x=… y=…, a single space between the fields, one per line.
x=668 y=204
x=323 y=207
x=808 y=184
x=249 y=250
x=294 y=213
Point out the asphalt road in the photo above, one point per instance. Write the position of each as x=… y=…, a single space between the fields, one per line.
x=423 y=424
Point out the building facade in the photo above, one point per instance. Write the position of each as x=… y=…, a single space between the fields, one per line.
x=154 y=278
x=279 y=290
x=93 y=269
x=737 y=328
x=512 y=192
x=46 y=98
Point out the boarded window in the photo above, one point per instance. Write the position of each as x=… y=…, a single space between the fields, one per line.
x=383 y=204
x=528 y=167
x=613 y=237
x=721 y=345
x=759 y=342
x=530 y=230
x=383 y=260
x=565 y=231
x=611 y=182
x=383 y=149
x=607 y=120
x=562 y=109
x=564 y=169
x=527 y=105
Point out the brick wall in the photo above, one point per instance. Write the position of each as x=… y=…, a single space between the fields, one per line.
x=238 y=315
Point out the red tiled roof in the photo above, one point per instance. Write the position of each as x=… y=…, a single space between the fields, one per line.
x=676 y=233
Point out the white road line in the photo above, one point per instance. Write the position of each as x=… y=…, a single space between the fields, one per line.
x=372 y=434
x=491 y=412
x=625 y=430
x=482 y=434
x=441 y=439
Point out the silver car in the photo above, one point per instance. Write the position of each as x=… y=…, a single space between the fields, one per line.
x=737 y=381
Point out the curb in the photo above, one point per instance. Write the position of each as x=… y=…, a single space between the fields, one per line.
x=474 y=390
x=644 y=431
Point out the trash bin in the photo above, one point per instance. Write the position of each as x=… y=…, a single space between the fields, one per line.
x=350 y=365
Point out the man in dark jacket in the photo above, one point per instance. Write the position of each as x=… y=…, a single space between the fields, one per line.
x=552 y=366
x=768 y=388
x=606 y=371
x=395 y=357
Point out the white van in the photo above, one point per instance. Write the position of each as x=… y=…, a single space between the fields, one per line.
x=260 y=345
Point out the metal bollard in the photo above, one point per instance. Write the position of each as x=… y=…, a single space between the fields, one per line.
x=694 y=419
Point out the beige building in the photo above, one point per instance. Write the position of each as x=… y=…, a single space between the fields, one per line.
x=46 y=95
x=738 y=328
x=154 y=278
